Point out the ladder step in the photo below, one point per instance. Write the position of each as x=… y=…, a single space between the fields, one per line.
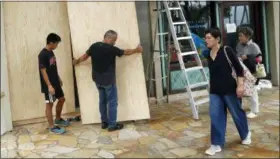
x=177 y=8
x=179 y=23
x=202 y=101
x=197 y=85
x=184 y=38
x=160 y=56
x=159 y=34
x=193 y=68
x=188 y=53
x=154 y=79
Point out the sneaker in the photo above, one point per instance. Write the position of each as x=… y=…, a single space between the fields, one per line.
x=57 y=130
x=62 y=122
x=247 y=140
x=116 y=127
x=213 y=149
x=104 y=125
x=251 y=115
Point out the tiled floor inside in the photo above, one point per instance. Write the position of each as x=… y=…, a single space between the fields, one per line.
x=171 y=132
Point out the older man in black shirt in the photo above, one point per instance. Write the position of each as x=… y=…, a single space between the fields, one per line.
x=103 y=56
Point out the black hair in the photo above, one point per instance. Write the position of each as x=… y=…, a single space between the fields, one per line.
x=110 y=33
x=247 y=31
x=215 y=32
x=53 y=38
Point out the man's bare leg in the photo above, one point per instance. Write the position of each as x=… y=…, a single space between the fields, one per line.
x=49 y=115
x=59 y=107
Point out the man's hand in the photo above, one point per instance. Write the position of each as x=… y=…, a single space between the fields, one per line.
x=139 y=48
x=75 y=61
x=51 y=90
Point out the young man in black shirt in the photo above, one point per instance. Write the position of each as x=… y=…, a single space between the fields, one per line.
x=51 y=83
x=103 y=56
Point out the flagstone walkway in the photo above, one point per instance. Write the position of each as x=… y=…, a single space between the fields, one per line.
x=171 y=132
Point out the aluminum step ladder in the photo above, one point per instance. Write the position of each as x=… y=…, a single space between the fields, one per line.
x=172 y=8
x=158 y=55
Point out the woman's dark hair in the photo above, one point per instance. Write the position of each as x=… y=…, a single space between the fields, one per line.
x=247 y=31
x=53 y=38
x=215 y=32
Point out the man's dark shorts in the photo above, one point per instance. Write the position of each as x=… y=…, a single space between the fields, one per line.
x=52 y=98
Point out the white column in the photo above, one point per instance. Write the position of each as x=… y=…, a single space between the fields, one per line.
x=6 y=118
x=273 y=37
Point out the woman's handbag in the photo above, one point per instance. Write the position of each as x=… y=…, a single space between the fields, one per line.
x=249 y=79
x=260 y=71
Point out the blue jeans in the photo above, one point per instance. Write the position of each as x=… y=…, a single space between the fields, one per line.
x=218 y=114
x=108 y=102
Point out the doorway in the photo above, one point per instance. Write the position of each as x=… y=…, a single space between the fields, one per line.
x=236 y=14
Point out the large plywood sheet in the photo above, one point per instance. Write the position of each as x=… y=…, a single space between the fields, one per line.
x=27 y=25
x=88 y=23
x=6 y=118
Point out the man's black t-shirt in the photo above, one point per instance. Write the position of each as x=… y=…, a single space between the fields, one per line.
x=103 y=57
x=47 y=60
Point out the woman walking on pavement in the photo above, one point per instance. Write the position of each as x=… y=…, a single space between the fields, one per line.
x=250 y=53
x=225 y=93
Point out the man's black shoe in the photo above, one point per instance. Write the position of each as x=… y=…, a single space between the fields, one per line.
x=116 y=127
x=104 y=125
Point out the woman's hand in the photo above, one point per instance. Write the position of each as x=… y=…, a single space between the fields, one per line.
x=240 y=91
x=243 y=57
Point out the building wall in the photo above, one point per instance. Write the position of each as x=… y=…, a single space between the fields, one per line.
x=27 y=25
x=273 y=40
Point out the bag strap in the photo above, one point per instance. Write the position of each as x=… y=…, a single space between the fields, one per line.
x=225 y=51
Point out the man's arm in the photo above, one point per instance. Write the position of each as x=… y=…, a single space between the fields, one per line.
x=45 y=76
x=138 y=49
x=83 y=58
x=60 y=81
x=47 y=81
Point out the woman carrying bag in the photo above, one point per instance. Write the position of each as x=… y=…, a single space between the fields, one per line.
x=226 y=91
x=250 y=54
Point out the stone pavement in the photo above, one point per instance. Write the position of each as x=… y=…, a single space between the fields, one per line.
x=170 y=133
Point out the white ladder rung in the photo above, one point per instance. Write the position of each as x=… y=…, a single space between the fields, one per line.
x=179 y=23
x=160 y=56
x=188 y=53
x=202 y=101
x=197 y=85
x=159 y=34
x=193 y=68
x=184 y=38
x=177 y=8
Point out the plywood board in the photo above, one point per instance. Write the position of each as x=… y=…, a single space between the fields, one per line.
x=6 y=117
x=27 y=25
x=88 y=23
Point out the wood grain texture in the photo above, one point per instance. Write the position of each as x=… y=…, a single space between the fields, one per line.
x=27 y=25
x=88 y=23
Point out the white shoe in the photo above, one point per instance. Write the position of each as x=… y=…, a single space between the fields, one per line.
x=213 y=149
x=251 y=115
x=248 y=140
